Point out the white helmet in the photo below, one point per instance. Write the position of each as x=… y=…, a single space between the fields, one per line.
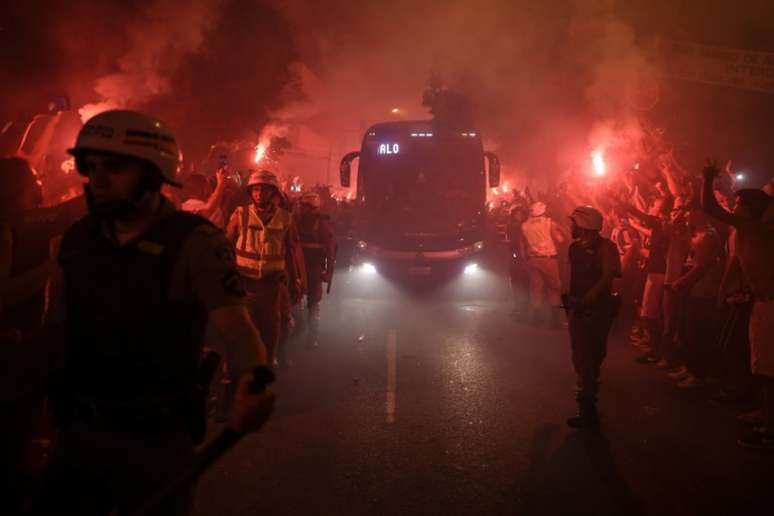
x=263 y=177
x=586 y=217
x=133 y=134
x=311 y=198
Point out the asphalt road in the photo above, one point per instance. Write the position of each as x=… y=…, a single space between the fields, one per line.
x=440 y=402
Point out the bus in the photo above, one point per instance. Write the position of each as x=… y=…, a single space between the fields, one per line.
x=420 y=198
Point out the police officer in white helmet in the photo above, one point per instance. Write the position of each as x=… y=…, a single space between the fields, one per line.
x=140 y=281
x=268 y=256
x=591 y=307
x=319 y=248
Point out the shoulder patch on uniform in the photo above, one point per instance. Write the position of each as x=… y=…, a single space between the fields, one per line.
x=232 y=283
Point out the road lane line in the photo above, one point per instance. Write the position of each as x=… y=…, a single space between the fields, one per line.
x=392 y=375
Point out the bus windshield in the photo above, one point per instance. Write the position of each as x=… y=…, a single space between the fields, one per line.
x=429 y=184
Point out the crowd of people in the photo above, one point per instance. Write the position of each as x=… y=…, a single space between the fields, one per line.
x=111 y=301
x=146 y=259
x=696 y=283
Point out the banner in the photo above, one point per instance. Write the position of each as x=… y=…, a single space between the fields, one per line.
x=735 y=68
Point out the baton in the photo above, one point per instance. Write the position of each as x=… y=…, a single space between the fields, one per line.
x=210 y=454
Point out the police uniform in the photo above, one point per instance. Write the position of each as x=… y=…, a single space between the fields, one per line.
x=262 y=255
x=589 y=326
x=319 y=248
x=134 y=316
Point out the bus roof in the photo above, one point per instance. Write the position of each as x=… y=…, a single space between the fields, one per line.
x=414 y=126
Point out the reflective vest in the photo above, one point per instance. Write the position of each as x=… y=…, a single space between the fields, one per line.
x=260 y=248
x=537 y=236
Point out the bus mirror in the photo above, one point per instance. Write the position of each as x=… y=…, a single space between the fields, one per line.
x=494 y=169
x=345 y=168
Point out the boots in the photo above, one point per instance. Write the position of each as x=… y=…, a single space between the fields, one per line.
x=282 y=354
x=283 y=360
x=313 y=323
x=556 y=319
x=534 y=316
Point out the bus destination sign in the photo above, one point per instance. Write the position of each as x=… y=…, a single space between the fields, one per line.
x=388 y=149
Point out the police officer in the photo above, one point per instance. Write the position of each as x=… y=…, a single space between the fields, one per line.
x=518 y=270
x=319 y=247
x=594 y=263
x=140 y=280
x=267 y=252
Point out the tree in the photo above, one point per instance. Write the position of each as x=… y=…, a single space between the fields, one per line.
x=449 y=107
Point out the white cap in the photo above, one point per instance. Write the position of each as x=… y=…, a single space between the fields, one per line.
x=538 y=209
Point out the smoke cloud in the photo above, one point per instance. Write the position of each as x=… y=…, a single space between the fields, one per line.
x=547 y=81
x=156 y=50
x=539 y=75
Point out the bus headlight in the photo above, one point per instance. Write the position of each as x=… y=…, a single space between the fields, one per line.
x=476 y=247
x=471 y=269
x=368 y=268
x=361 y=245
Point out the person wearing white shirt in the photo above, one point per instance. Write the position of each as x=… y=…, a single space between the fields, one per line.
x=203 y=200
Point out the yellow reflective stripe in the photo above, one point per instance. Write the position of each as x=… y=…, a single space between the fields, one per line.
x=246 y=254
x=261 y=248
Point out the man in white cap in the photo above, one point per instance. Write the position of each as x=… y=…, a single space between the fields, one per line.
x=591 y=306
x=540 y=238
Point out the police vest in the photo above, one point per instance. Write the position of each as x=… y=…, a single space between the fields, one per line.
x=310 y=231
x=586 y=265
x=537 y=235
x=127 y=340
x=260 y=248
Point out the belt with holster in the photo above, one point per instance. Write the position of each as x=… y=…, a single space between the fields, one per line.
x=142 y=419
x=147 y=416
